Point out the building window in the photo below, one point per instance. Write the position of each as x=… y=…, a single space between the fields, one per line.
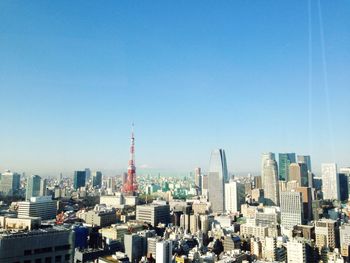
x=67 y=257
x=63 y=247
x=27 y=252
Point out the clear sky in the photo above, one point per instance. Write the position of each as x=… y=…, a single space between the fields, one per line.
x=192 y=75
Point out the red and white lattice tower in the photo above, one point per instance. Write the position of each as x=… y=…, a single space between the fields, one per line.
x=130 y=186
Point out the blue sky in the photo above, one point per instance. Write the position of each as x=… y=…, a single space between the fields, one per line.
x=192 y=75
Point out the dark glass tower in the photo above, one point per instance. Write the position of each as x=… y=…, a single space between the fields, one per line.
x=79 y=179
x=284 y=160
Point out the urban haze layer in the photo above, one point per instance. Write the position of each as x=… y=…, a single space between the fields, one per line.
x=286 y=214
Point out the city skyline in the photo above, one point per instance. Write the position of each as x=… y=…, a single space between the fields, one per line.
x=232 y=76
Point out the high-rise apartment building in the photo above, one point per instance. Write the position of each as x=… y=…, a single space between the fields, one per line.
x=217 y=177
x=296 y=251
x=291 y=209
x=327 y=233
x=33 y=186
x=79 y=179
x=234 y=196
x=284 y=160
x=330 y=181
x=344 y=233
x=270 y=179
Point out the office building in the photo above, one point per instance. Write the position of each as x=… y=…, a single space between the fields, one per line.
x=291 y=209
x=330 y=181
x=305 y=159
x=296 y=251
x=55 y=244
x=134 y=246
x=306 y=193
x=217 y=178
x=343 y=186
x=87 y=175
x=97 y=179
x=33 y=186
x=100 y=216
x=164 y=251
x=284 y=161
x=298 y=172
x=198 y=179
x=234 y=196
x=153 y=213
x=327 y=233
x=79 y=179
x=269 y=216
x=257 y=183
x=204 y=185
x=270 y=179
x=9 y=183
x=40 y=206
x=43 y=187
x=269 y=249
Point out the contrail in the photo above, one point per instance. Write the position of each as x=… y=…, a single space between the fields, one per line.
x=325 y=80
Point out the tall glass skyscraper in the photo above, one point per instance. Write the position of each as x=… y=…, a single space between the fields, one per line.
x=269 y=179
x=217 y=178
x=79 y=179
x=284 y=160
x=33 y=186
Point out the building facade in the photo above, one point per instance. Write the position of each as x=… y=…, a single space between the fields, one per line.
x=217 y=177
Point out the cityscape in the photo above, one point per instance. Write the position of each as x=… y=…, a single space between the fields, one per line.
x=174 y=132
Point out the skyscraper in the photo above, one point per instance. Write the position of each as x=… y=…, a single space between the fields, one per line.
x=330 y=181
x=79 y=179
x=43 y=186
x=270 y=179
x=298 y=172
x=9 y=183
x=33 y=186
x=305 y=159
x=291 y=209
x=284 y=160
x=198 y=179
x=97 y=179
x=216 y=179
x=234 y=196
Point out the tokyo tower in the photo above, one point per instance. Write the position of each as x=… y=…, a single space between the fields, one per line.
x=130 y=186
